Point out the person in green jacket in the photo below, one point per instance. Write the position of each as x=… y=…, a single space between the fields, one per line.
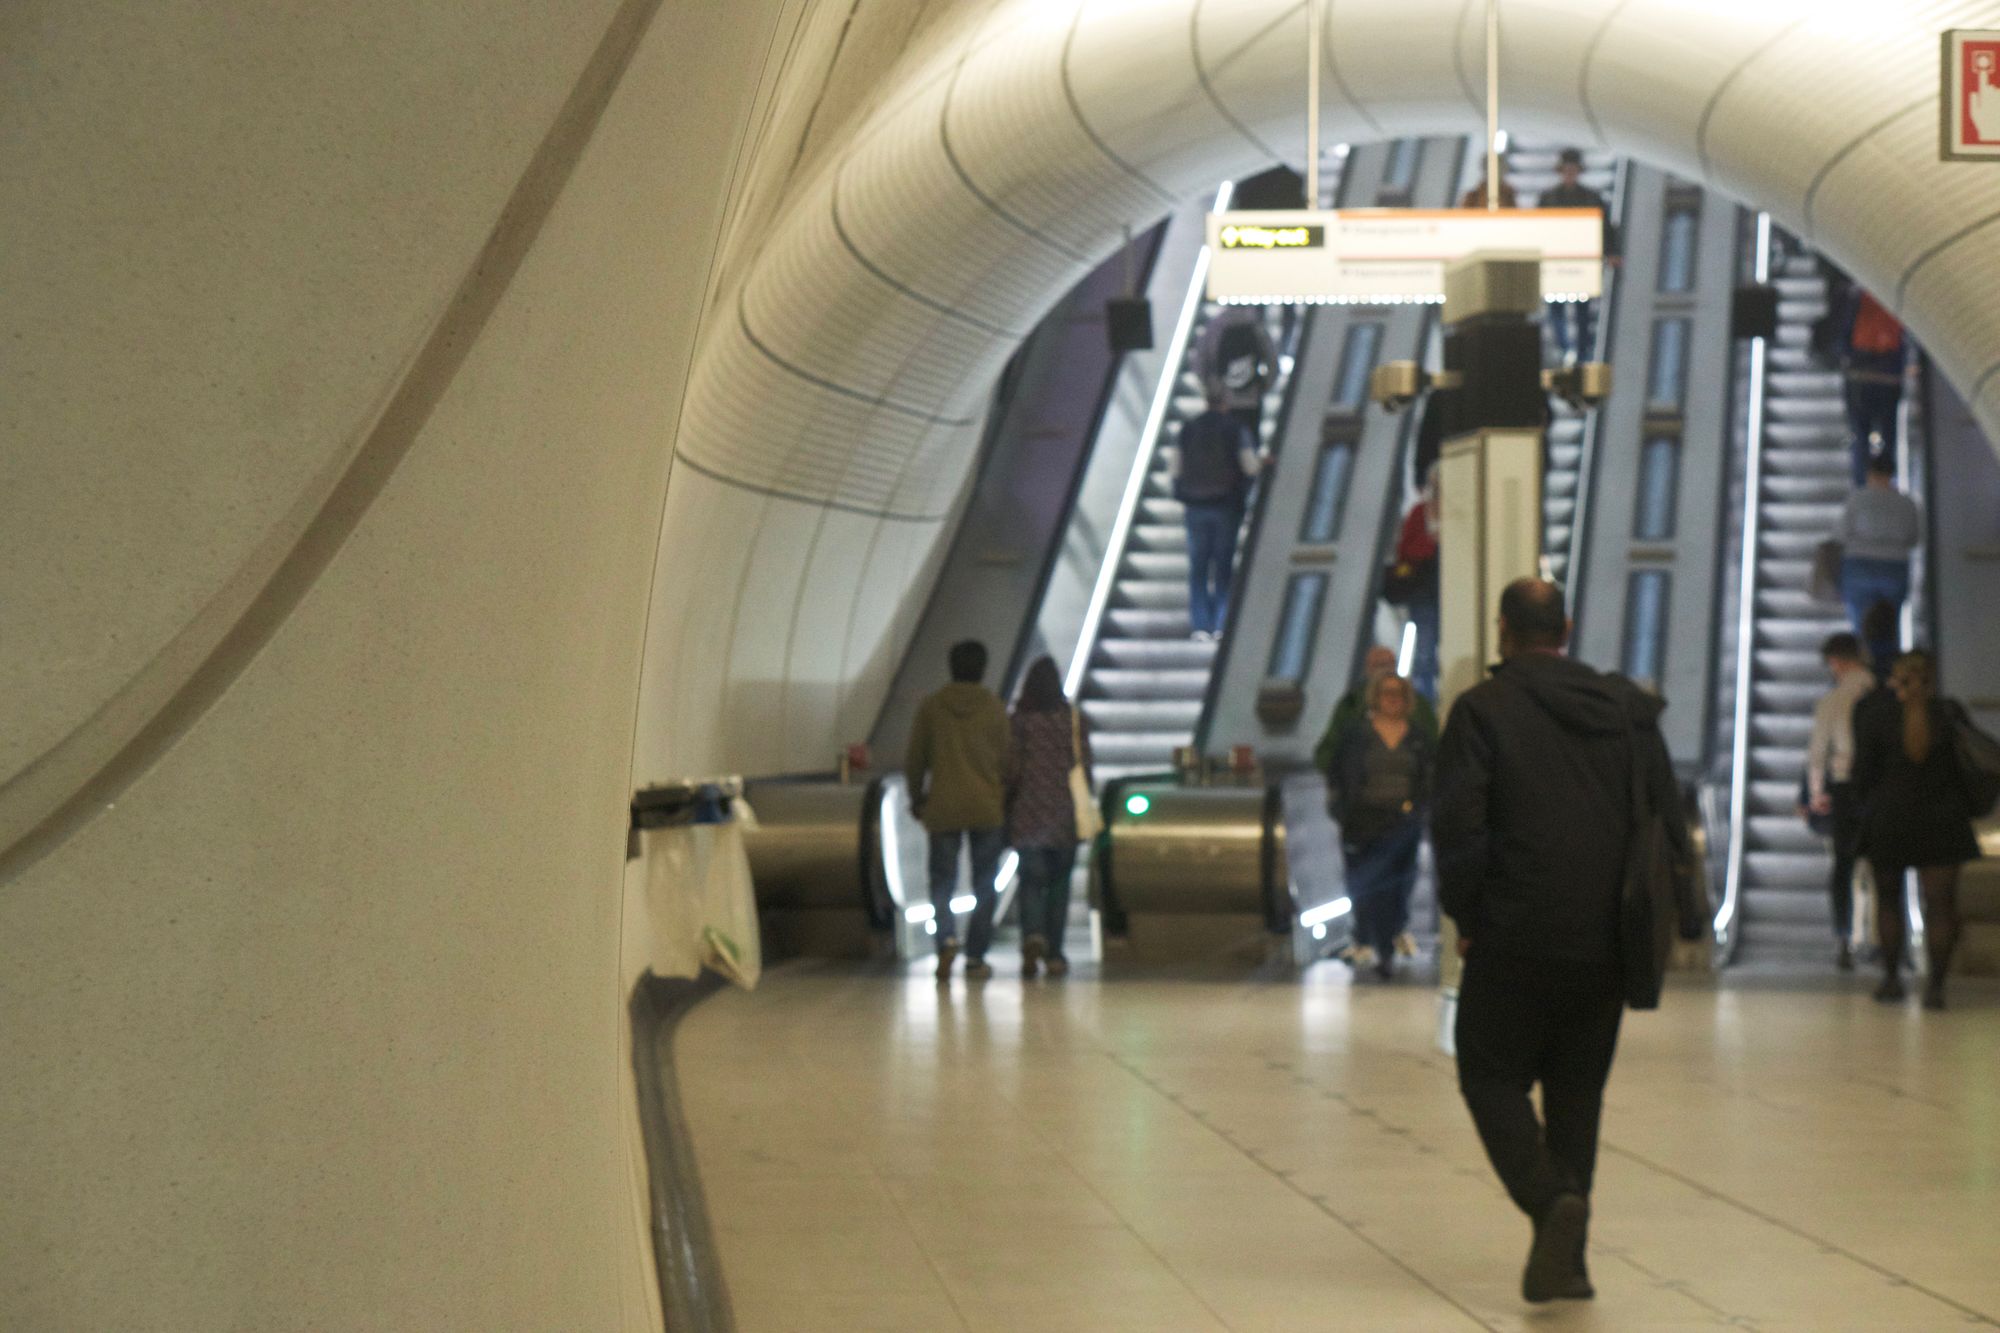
x=1352 y=708
x=956 y=770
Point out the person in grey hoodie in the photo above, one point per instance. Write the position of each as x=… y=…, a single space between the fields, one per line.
x=1878 y=529
x=1532 y=822
x=956 y=770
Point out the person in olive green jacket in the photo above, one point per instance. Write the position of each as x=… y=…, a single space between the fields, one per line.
x=957 y=775
x=1380 y=662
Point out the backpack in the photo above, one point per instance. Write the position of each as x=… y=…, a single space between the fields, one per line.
x=1211 y=472
x=1978 y=757
x=1239 y=356
x=1876 y=331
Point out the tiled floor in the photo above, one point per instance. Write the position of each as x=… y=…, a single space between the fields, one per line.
x=881 y=1154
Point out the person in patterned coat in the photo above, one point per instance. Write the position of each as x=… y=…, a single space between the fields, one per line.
x=1046 y=738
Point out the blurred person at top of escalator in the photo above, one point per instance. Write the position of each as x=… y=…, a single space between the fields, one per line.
x=1047 y=739
x=1829 y=791
x=1874 y=357
x=1476 y=196
x=956 y=770
x=1378 y=789
x=1879 y=528
x=1212 y=462
x=1574 y=323
x=1379 y=661
x=1411 y=582
x=1916 y=814
x=1236 y=357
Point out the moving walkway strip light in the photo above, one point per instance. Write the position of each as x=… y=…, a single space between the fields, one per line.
x=1138 y=803
x=1746 y=608
x=1317 y=917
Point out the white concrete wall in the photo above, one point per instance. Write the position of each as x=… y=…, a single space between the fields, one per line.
x=320 y=1026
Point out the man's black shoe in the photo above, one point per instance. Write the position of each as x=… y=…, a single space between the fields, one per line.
x=1552 y=1273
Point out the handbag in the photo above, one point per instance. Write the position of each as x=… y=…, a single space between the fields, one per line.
x=1978 y=756
x=1089 y=819
x=1399 y=583
x=1826 y=570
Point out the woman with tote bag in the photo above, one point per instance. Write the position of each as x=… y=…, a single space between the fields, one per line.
x=1049 y=810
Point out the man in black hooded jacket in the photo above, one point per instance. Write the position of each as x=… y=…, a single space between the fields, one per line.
x=1531 y=827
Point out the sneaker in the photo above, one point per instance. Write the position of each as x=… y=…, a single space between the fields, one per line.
x=1202 y=636
x=1058 y=966
x=1552 y=1273
x=1406 y=945
x=978 y=969
x=947 y=951
x=1361 y=956
x=1033 y=949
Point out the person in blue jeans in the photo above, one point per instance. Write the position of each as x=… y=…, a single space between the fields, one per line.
x=1048 y=739
x=956 y=770
x=1212 y=466
x=1378 y=786
x=1879 y=527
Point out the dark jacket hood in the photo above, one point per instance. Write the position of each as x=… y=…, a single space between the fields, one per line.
x=1584 y=701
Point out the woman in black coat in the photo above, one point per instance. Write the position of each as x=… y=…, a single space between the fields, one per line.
x=1378 y=788
x=1914 y=815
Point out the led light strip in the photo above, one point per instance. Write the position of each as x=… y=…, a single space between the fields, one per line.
x=1746 y=616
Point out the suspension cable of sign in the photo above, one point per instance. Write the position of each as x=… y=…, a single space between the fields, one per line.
x=1312 y=103
x=1492 y=104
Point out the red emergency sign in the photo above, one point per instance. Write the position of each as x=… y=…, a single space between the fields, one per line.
x=1971 y=92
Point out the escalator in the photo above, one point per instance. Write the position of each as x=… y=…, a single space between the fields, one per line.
x=1801 y=480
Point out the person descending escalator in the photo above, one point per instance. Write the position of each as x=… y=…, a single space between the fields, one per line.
x=1352 y=706
x=1828 y=788
x=1411 y=582
x=1378 y=789
x=1879 y=529
x=1916 y=814
x=1212 y=464
x=1573 y=324
x=1048 y=740
x=956 y=770
x=1238 y=360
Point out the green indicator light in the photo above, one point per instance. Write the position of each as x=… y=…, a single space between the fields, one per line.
x=1138 y=803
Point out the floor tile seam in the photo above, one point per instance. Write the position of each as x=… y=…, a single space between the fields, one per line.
x=1971 y=1313
x=917 y=1238
x=1424 y=1147
x=1319 y=1204
x=1119 y=1213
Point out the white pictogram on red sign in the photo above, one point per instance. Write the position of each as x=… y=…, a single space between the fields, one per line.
x=1979 y=94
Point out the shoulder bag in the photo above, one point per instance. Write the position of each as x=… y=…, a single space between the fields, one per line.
x=1089 y=820
x=1978 y=757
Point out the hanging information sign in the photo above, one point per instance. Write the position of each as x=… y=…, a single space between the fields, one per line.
x=1381 y=256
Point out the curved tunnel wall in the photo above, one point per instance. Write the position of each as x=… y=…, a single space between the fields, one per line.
x=343 y=355
x=845 y=370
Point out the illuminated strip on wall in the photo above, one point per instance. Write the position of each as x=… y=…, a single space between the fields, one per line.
x=1746 y=616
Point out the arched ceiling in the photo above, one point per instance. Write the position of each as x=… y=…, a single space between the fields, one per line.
x=851 y=360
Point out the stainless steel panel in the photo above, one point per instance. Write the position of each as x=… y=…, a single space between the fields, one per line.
x=1196 y=849
x=806 y=850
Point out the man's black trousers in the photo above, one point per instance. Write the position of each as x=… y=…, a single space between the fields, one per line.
x=1525 y=1021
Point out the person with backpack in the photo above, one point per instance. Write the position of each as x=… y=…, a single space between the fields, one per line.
x=1212 y=465
x=1918 y=798
x=1872 y=360
x=1412 y=583
x=1239 y=361
x=956 y=770
x=1555 y=807
x=1047 y=742
x=1879 y=528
